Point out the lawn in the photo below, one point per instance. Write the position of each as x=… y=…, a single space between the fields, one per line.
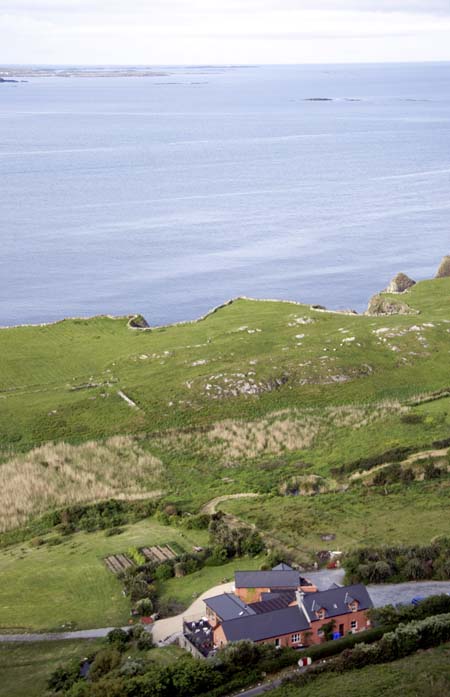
x=186 y=589
x=359 y=517
x=424 y=674
x=25 y=668
x=50 y=586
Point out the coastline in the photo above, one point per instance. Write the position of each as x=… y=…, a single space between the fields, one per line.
x=201 y=318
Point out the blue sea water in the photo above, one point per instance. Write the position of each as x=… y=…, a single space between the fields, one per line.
x=169 y=195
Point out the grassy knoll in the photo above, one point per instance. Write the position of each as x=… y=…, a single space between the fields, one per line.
x=186 y=589
x=25 y=668
x=361 y=516
x=424 y=674
x=50 y=586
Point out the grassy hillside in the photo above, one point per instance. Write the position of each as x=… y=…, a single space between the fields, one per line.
x=245 y=360
x=235 y=402
x=425 y=674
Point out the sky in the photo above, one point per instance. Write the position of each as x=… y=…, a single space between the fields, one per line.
x=168 y=32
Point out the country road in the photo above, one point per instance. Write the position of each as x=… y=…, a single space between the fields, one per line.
x=383 y=594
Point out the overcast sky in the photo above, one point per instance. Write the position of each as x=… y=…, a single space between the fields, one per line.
x=223 y=31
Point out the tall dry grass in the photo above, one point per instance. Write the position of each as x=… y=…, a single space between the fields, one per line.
x=59 y=474
x=281 y=431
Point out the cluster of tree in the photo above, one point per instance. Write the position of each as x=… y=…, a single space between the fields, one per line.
x=405 y=640
x=229 y=541
x=100 y=516
x=112 y=673
x=396 y=564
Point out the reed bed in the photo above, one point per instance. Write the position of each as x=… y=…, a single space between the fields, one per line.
x=60 y=474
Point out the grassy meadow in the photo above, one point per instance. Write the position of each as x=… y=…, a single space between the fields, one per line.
x=424 y=674
x=25 y=668
x=361 y=516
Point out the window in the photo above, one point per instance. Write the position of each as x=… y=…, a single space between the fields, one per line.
x=296 y=638
x=354 y=624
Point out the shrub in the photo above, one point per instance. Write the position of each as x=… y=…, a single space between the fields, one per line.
x=164 y=571
x=63 y=678
x=105 y=661
x=118 y=638
x=144 y=606
x=145 y=641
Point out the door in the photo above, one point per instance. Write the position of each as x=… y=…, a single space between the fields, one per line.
x=277 y=643
x=341 y=629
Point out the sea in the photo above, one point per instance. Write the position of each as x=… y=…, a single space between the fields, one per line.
x=169 y=195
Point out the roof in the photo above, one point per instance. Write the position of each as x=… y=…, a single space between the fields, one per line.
x=269 y=604
x=228 y=606
x=267 y=625
x=335 y=601
x=267 y=579
x=282 y=567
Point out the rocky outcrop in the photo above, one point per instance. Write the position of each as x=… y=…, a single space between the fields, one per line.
x=138 y=322
x=380 y=305
x=400 y=283
x=444 y=268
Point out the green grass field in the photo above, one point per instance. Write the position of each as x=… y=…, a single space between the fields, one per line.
x=25 y=668
x=50 y=586
x=424 y=674
x=61 y=381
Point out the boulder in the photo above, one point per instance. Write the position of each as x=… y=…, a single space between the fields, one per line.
x=379 y=305
x=400 y=283
x=444 y=268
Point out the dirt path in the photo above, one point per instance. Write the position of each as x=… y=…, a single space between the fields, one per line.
x=211 y=506
x=411 y=460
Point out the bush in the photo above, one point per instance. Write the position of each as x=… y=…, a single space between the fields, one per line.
x=105 y=661
x=164 y=571
x=145 y=641
x=63 y=678
x=118 y=638
x=144 y=607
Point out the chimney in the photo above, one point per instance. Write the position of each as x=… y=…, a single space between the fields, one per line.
x=300 y=596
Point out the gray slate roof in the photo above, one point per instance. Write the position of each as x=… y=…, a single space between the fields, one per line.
x=266 y=626
x=335 y=601
x=273 y=601
x=228 y=606
x=282 y=567
x=267 y=579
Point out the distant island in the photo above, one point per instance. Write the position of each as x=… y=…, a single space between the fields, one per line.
x=24 y=71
